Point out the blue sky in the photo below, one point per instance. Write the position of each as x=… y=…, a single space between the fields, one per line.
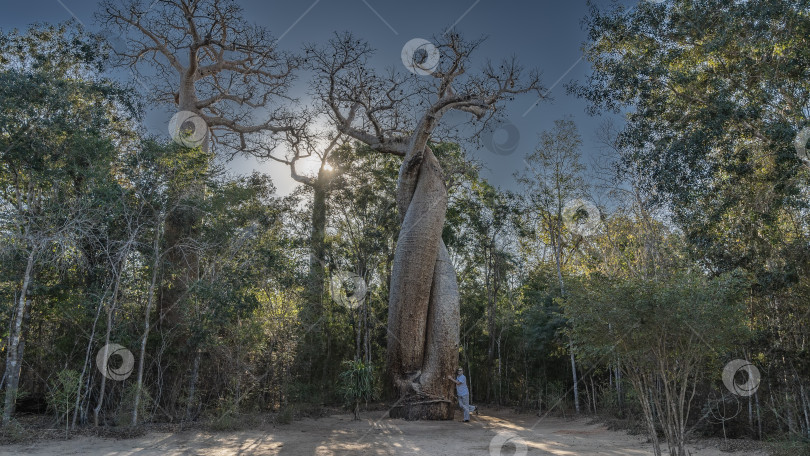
x=543 y=34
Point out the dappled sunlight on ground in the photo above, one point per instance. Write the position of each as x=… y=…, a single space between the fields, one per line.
x=375 y=435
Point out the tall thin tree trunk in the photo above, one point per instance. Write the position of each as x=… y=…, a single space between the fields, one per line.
x=367 y=332
x=192 y=386
x=759 y=416
x=317 y=255
x=619 y=388
x=86 y=361
x=788 y=405
x=641 y=385
x=488 y=273
x=102 y=388
x=108 y=332
x=805 y=407
x=574 y=374
x=317 y=339
x=500 y=372
x=15 y=342
x=750 y=414
x=357 y=333
x=557 y=257
x=150 y=298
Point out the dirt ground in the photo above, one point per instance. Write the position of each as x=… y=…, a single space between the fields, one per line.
x=494 y=434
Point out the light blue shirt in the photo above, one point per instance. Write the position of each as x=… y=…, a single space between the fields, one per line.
x=462 y=390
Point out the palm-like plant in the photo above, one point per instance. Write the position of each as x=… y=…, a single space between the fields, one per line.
x=357 y=384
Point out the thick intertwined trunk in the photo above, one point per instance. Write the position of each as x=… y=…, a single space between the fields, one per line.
x=423 y=308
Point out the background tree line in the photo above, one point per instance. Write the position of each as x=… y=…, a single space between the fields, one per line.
x=697 y=252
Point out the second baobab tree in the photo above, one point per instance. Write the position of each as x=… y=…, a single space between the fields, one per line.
x=400 y=113
x=230 y=80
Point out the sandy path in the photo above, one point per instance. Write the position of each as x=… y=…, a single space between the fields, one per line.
x=373 y=435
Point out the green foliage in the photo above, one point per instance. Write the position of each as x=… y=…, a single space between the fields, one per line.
x=13 y=432
x=717 y=92
x=677 y=314
x=357 y=383
x=62 y=394
x=667 y=333
x=18 y=395
x=286 y=415
x=123 y=415
x=790 y=448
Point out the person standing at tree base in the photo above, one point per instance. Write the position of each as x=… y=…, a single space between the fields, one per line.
x=463 y=393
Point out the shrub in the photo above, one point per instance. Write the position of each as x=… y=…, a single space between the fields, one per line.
x=357 y=384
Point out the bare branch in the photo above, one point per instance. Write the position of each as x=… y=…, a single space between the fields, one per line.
x=205 y=58
x=399 y=114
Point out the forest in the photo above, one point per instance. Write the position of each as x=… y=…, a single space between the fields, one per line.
x=664 y=287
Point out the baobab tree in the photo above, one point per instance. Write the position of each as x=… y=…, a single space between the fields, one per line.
x=306 y=145
x=226 y=77
x=204 y=58
x=401 y=113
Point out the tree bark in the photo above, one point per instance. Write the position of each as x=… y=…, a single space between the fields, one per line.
x=181 y=225
x=317 y=338
x=423 y=319
x=110 y=314
x=557 y=257
x=86 y=362
x=150 y=299
x=489 y=274
x=191 y=404
x=317 y=243
x=14 y=351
